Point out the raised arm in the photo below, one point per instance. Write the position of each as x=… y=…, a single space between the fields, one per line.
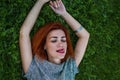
x=83 y=35
x=24 y=38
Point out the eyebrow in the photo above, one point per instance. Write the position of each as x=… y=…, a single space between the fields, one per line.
x=57 y=37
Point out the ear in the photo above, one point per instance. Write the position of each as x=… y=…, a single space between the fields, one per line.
x=45 y=47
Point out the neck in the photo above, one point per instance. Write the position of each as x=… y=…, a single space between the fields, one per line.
x=56 y=61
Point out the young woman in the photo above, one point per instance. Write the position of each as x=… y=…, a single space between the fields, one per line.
x=49 y=56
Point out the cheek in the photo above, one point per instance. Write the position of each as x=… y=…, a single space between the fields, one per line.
x=65 y=44
x=50 y=46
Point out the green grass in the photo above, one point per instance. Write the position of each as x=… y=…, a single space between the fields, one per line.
x=100 y=17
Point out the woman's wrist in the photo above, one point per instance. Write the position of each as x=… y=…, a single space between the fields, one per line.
x=64 y=14
x=42 y=1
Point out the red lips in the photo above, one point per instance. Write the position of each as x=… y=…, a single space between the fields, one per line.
x=60 y=51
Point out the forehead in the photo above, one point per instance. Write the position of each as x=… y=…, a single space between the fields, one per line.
x=58 y=33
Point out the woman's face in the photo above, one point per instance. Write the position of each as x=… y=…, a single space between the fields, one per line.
x=56 y=45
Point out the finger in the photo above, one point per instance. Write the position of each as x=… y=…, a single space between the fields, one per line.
x=52 y=8
x=55 y=4
x=61 y=4
x=58 y=3
x=51 y=3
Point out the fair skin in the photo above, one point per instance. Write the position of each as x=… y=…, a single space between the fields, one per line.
x=56 y=46
x=25 y=42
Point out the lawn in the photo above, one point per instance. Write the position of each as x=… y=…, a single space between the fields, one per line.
x=100 y=17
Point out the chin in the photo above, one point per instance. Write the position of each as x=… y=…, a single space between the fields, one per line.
x=61 y=57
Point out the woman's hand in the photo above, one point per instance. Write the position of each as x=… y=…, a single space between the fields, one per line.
x=58 y=7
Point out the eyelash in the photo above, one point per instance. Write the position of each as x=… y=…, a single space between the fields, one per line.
x=56 y=41
x=63 y=40
x=53 y=41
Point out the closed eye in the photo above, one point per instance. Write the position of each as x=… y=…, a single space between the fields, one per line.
x=53 y=41
x=63 y=40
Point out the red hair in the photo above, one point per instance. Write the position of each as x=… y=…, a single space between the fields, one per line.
x=39 y=40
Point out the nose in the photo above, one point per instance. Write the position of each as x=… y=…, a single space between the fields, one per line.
x=60 y=44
